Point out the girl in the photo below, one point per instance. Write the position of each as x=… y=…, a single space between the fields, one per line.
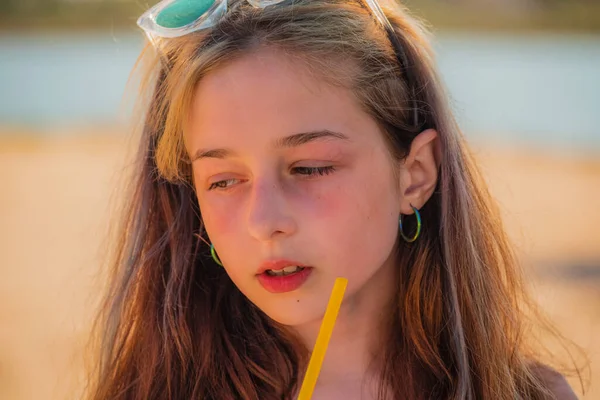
x=286 y=144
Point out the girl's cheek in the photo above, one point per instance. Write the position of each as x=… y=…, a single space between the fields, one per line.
x=220 y=217
x=325 y=201
x=322 y=204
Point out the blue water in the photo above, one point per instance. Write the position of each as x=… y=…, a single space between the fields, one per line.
x=540 y=89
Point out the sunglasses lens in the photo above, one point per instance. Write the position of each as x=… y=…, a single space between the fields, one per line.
x=182 y=12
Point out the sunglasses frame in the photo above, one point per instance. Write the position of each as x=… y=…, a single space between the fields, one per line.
x=149 y=21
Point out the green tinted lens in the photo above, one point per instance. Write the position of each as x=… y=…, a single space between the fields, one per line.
x=182 y=12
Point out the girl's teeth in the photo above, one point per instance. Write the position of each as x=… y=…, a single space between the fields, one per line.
x=285 y=271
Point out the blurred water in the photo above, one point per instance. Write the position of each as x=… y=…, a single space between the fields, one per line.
x=541 y=89
x=57 y=80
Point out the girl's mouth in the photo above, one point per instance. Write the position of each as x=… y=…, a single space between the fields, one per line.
x=284 y=280
x=284 y=271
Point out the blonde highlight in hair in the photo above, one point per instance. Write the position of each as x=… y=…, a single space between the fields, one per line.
x=458 y=327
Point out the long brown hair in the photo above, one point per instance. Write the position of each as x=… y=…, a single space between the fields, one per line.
x=174 y=326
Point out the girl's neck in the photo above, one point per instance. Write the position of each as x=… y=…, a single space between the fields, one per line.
x=357 y=337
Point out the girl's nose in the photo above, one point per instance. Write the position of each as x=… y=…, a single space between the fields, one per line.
x=269 y=216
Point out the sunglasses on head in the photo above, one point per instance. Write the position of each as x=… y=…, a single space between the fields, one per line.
x=175 y=18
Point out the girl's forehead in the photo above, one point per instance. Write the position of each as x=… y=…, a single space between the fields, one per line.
x=266 y=79
x=263 y=95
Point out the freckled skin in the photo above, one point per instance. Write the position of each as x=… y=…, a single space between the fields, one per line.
x=343 y=223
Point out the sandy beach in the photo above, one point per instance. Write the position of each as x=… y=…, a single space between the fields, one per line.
x=56 y=199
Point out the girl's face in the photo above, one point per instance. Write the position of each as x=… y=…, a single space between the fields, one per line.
x=290 y=171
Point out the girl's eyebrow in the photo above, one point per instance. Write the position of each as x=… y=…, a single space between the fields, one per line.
x=294 y=140
x=299 y=139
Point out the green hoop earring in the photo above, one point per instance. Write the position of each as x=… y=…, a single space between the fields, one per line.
x=418 y=215
x=213 y=253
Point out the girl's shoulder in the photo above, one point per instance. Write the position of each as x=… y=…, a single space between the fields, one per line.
x=556 y=382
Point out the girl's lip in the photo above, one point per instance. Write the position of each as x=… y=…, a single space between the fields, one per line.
x=277 y=264
x=285 y=283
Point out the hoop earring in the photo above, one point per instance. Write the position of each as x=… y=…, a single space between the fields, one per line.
x=213 y=253
x=418 y=215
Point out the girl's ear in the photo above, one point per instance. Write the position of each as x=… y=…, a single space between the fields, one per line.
x=419 y=171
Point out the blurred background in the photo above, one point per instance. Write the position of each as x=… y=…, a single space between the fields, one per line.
x=524 y=77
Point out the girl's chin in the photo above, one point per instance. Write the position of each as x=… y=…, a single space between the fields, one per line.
x=293 y=314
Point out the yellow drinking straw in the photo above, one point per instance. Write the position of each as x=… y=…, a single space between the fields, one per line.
x=318 y=354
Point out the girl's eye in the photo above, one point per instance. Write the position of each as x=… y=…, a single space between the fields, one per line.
x=304 y=171
x=224 y=184
x=313 y=171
